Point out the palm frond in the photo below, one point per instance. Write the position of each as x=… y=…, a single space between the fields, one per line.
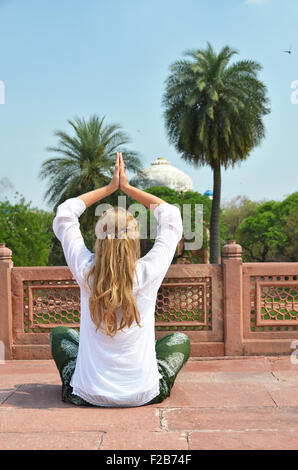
x=85 y=159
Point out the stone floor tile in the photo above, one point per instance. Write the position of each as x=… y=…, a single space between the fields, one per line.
x=230 y=419
x=218 y=395
x=145 y=441
x=71 y=440
x=75 y=418
x=253 y=440
x=283 y=393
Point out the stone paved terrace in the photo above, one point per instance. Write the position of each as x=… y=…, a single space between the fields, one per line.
x=216 y=403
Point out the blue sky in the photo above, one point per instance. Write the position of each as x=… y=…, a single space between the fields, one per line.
x=69 y=58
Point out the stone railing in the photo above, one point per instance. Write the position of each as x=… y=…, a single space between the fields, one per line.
x=232 y=308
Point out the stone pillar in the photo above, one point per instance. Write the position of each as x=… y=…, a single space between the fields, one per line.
x=5 y=301
x=232 y=282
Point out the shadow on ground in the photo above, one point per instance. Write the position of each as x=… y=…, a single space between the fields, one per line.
x=35 y=395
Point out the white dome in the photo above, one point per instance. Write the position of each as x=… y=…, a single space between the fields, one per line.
x=162 y=173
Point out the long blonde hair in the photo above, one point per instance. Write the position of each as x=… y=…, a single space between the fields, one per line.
x=117 y=249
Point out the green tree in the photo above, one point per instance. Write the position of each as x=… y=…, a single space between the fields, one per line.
x=213 y=114
x=270 y=233
x=85 y=161
x=27 y=231
x=290 y=228
x=187 y=197
x=234 y=212
x=288 y=205
x=260 y=235
x=288 y=222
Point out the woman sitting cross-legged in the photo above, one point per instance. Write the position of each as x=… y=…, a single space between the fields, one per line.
x=115 y=361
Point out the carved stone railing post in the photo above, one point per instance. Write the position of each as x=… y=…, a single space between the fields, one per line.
x=6 y=265
x=232 y=283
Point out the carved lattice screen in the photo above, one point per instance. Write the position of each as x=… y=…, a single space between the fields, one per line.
x=50 y=303
x=182 y=304
x=274 y=303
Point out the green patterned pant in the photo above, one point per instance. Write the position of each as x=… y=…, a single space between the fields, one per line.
x=172 y=353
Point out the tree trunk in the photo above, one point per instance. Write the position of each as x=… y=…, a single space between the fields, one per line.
x=214 y=222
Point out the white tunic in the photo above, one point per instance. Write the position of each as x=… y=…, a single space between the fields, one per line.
x=119 y=371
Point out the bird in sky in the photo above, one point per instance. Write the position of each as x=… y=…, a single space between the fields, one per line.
x=289 y=51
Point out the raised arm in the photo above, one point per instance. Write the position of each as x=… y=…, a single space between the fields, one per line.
x=169 y=231
x=147 y=199
x=94 y=196
x=67 y=228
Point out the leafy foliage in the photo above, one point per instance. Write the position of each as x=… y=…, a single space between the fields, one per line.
x=213 y=114
x=26 y=231
x=234 y=212
x=189 y=197
x=271 y=233
x=85 y=161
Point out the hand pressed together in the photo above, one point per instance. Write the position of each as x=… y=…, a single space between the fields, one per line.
x=119 y=180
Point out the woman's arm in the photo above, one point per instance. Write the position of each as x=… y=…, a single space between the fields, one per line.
x=94 y=196
x=67 y=228
x=169 y=231
x=147 y=199
x=120 y=179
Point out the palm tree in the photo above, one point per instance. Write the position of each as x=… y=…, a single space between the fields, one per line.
x=213 y=115
x=85 y=161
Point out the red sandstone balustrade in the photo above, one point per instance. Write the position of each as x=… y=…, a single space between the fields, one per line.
x=232 y=308
x=6 y=265
x=232 y=285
